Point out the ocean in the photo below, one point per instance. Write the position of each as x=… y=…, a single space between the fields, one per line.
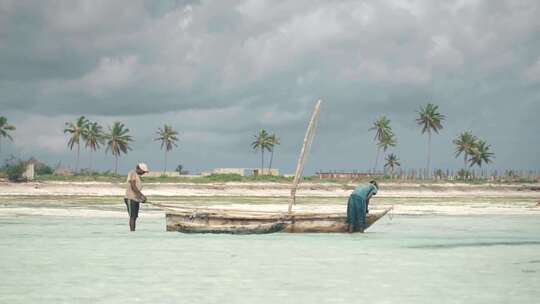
x=90 y=258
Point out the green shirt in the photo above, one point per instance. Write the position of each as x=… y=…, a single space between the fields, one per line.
x=364 y=190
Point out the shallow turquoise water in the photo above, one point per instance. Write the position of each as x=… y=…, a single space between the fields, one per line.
x=410 y=259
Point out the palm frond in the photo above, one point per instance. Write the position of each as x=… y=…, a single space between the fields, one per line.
x=5 y=128
x=167 y=137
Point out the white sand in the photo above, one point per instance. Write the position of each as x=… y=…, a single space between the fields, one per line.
x=267 y=189
x=448 y=199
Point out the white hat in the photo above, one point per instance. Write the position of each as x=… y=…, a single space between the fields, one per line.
x=143 y=167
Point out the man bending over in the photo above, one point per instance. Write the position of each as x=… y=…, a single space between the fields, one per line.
x=358 y=205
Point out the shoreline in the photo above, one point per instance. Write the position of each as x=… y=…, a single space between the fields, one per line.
x=93 y=199
x=306 y=189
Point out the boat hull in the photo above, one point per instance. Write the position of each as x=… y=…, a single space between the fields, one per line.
x=244 y=222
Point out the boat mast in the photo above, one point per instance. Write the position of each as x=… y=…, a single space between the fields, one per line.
x=300 y=163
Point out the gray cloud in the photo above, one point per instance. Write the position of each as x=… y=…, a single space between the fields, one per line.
x=218 y=71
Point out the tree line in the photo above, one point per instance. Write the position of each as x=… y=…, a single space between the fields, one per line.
x=263 y=141
x=116 y=140
x=476 y=151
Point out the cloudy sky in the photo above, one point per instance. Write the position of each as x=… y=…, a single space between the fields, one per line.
x=218 y=71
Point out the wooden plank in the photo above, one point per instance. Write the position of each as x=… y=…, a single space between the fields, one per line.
x=230 y=229
x=205 y=223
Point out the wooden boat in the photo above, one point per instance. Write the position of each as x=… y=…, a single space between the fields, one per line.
x=196 y=220
x=253 y=222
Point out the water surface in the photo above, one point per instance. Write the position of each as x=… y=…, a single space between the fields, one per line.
x=409 y=259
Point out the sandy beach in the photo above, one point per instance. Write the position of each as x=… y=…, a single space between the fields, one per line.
x=102 y=199
x=438 y=190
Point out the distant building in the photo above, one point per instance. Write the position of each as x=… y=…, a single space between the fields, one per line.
x=266 y=171
x=28 y=174
x=345 y=175
x=31 y=164
x=161 y=173
x=242 y=171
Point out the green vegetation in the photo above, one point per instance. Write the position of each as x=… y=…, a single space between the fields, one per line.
x=5 y=130
x=476 y=151
x=384 y=136
x=168 y=138
x=392 y=161
x=481 y=154
x=14 y=169
x=386 y=142
x=118 y=141
x=465 y=143
x=180 y=169
x=76 y=130
x=430 y=119
x=84 y=176
x=225 y=177
x=264 y=141
x=94 y=137
x=273 y=142
x=234 y=178
x=43 y=169
x=261 y=142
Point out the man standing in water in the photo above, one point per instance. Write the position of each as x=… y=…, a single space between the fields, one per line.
x=358 y=205
x=134 y=195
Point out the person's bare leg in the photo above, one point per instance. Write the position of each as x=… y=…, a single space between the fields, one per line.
x=132 y=223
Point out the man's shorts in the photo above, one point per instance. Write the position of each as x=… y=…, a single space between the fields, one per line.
x=132 y=207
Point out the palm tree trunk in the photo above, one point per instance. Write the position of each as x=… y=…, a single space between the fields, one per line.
x=77 y=163
x=271 y=158
x=91 y=165
x=262 y=161
x=384 y=158
x=165 y=167
x=116 y=164
x=376 y=160
x=429 y=154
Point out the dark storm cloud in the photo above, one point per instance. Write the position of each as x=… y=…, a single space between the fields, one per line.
x=221 y=70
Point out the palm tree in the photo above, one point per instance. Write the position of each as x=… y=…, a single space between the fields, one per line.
x=392 y=162
x=261 y=142
x=118 y=141
x=387 y=142
x=93 y=137
x=273 y=142
x=382 y=130
x=481 y=154
x=5 y=128
x=465 y=143
x=168 y=139
x=430 y=119
x=76 y=131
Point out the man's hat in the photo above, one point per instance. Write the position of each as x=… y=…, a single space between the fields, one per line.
x=143 y=167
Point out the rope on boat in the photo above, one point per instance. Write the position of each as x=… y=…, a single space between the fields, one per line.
x=164 y=207
x=391 y=213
